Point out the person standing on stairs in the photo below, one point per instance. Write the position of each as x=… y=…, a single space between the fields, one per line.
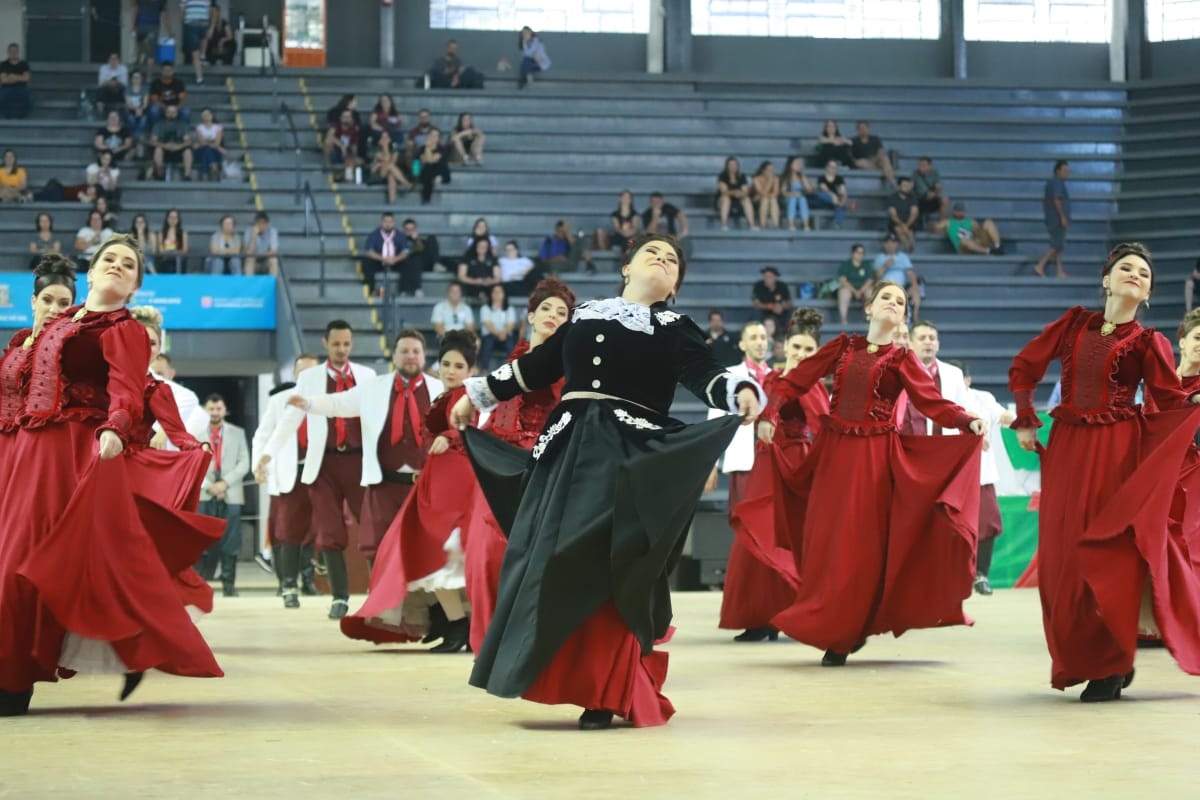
x=332 y=458
x=221 y=494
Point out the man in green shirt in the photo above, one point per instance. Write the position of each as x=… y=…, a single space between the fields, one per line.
x=970 y=236
x=855 y=281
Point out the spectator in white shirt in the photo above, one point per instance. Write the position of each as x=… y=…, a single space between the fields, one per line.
x=111 y=81
x=261 y=241
x=516 y=270
x=225 y=249
x=498 y=324
x=91 y=236
x=102 y=178
x=452 y=314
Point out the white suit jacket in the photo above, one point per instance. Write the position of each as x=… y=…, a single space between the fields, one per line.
x=235 y=463
x=739 y=456
x=190 y=412
x=984 y=405
x=954 y=389
x=284 y=466
x=310 y=383
x=370 y=401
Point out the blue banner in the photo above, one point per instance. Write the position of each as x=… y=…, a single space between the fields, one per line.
x=187 y=302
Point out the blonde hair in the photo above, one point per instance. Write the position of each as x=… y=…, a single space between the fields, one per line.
x=1190 y=322
x=150 y=317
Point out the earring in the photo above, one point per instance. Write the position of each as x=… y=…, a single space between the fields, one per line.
x=1107 y=292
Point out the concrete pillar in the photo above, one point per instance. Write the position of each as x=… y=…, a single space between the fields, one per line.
x=954 y=30
x=12 y=22
x=677 y=29
x=387 y=35
x=1116 y=41
x=656 y=38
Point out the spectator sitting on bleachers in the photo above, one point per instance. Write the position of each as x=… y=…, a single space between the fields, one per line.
x=225 y=249
x=14 y=181
x=171 y=244
x=832 y=146
x=564 y=250
x=140 y=231
x=433 y=165
x=733 y=185
x=1189 y=287
x=341 y=146
x=107 y=214
x=969 y=236
x=414 y=140
x=210 y=150
x=146 y=23
x=452 y=314
x=345 y=102
x=103 y=179
x=533 y=56
x=448 y=72
x=424 y=251
x=137 y=103
x=480 y=230
x=468 y=140
x=902 y=214
x=16 y=101
x=171 y=139
x=111 y=81
x=168 y=90
x=625 y=223
x=869 y=153
x=114 y=137
x=385 y=118
x=795 y=187
x=44 y=241
x=927 y=187
x=892 y=265
x=90 y=237
x=498 y=324
x=772 y=298
x=384 y=249
x=197 y=18
x=720 y=341
x=831 y=193
x=220 y=45
x=662 y=217
x=478 y=272
x=518 y=273
x=764 y=188
x=261 y=240
x=385 y=167
x=854 y=281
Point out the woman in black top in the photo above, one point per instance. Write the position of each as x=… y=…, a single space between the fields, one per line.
x=733 y=193
x=597 y=513
x=832 y=146
x=625 y=223
x=478 y=272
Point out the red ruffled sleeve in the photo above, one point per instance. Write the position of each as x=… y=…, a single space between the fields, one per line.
x=1030 y=365
x=821 y=363
x=1159 y=375
x=437 y=421
x=126 y=349
x=924 y=394
x=164 y=409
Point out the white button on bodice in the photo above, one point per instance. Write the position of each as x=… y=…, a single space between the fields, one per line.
x=596 y=384
x=596 y=360
x=599 y=337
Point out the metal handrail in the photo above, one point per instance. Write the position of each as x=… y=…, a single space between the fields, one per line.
x=299 y=165
x=295 y=330
x=313 y=214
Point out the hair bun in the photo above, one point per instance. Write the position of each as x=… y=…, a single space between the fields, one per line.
x=55 y=264
x=806 y=319
x=147 y=315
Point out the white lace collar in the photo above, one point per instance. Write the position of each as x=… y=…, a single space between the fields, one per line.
x=634 y=316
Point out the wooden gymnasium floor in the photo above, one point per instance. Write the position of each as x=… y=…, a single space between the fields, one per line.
x=305 y=713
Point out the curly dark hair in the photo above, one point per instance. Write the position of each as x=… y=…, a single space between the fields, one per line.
x=806 y=321
x=1125 y=249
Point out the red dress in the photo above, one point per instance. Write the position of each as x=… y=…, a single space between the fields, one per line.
x=883 y=539
x=420 y=543
x=519 y=422
x=1185 y=509
x=755 y=592
x=80 y=549
x=1109 y=474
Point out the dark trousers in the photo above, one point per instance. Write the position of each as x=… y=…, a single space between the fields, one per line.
x=429 y=173
x=16 y=101
x=225 y=552
x=528 y=67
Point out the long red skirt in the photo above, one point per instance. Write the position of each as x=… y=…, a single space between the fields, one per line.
x=1103 y=530
x=82 y=551
x=885 y=540
x=484 y=544
x=601 y=666
x=414 y=548
x=756 y=591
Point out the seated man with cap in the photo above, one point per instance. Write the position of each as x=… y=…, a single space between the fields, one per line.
x=772 y=298
x=971 y=236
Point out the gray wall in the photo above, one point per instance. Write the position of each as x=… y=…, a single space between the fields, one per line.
x=1032 y=63
x=1173 y=60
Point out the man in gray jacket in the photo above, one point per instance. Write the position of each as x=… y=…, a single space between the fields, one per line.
x=222 y=495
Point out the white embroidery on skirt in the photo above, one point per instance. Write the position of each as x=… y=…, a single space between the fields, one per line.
x=551 y=432
x=641 y=423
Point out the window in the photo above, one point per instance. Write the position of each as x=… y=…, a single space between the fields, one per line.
x=823 y=19
x=574 y=16
x=1037 y=20
x=1168 y=20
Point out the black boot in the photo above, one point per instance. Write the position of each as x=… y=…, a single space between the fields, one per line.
x=457 y=634
x=1103 y=690
x=339 y=579
x=437 y=624
x=132 y=681
x=15 y=704
x=832 y=658
x=291 y=595
x=228 y=576
x=595 y=719
x=757 y=634
x=339 y=608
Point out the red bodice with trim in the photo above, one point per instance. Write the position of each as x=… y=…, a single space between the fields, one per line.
x=1100 y=373
x=437 y=421
x=92 y=369
x=12 y=386
x=520 y=420
x=160 y=406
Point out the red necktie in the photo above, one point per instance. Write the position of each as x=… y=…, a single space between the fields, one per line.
x=406 y=400
x=343 y=380
x=214 y=441
x=759 y=373
x=302 y=434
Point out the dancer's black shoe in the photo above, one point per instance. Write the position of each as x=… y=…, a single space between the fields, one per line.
x=437 y=624
x=832 y=658
x=15 y=704
x=132 y=681
x=339 y=608
x=455 y=638
x=1128 y=679
x=595 y=719
x=1103 y=690
x=982 y=586
x=307 y=587
x=757 y=634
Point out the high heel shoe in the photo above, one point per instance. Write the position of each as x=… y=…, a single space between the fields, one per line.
x=15 y=704
x=595 y=719
x=1103 y=690
x=132 y=681
x=832 y=658
x=758 y=634
x=457 y=635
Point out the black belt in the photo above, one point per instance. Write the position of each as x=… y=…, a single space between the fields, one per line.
x=345 y=450
x=406 y=478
